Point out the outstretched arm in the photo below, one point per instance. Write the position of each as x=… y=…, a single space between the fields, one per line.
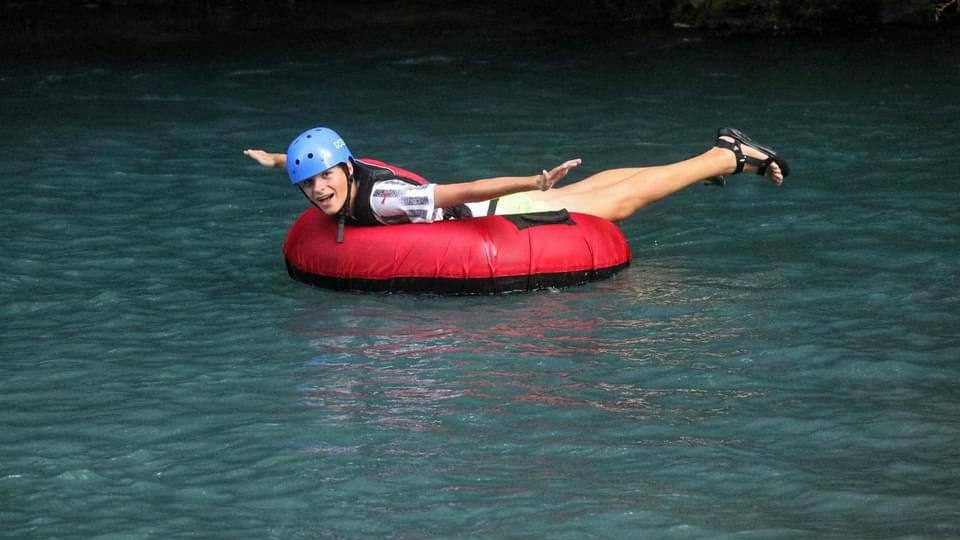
x=447 y=195
x=267 y=159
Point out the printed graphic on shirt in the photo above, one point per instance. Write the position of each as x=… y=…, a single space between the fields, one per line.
x=416 y=201
x=384 y=194
x=396 y=201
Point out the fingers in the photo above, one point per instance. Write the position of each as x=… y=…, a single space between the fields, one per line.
x=261 y=157
x=566 y=166
x=563 y=169
x=549 y=178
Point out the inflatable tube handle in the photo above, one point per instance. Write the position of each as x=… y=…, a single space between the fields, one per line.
x=535 y=219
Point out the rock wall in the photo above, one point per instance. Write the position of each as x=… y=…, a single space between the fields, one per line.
x=41 y=19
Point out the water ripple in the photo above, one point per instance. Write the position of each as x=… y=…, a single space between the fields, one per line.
x=776 y=363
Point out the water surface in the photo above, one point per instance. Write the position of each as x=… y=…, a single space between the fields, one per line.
x=776 y=363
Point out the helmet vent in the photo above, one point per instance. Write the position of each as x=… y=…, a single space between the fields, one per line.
x=310 y=156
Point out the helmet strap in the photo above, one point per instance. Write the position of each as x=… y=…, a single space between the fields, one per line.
x=344 y=210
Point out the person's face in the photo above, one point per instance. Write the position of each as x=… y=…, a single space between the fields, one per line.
x=328 y=190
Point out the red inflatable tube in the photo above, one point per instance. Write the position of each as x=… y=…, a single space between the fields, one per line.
x=486 y=255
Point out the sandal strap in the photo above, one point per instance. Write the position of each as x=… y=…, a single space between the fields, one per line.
x=734 y=146
x=761 y=164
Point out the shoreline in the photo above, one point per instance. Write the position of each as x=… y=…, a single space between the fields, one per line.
x=114 y=34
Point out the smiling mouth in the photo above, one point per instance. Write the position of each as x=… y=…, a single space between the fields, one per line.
x=324 y=198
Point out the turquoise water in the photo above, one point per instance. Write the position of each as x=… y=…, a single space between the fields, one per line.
x=776 y=363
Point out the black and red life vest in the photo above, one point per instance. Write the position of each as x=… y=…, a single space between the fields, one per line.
x=367 y=172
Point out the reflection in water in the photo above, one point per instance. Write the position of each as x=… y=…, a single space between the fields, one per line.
x=412 y=363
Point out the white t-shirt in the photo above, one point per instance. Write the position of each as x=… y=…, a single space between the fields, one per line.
x=395 y=201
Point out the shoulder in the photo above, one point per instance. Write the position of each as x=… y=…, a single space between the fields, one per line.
x=399 y=186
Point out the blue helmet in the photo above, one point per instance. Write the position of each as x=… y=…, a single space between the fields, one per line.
x=315 y=151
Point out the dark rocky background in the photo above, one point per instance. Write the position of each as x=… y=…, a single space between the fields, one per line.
x=51 y=27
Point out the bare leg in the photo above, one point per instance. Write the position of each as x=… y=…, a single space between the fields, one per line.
x=616 y=194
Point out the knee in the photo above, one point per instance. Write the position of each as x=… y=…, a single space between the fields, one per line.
x=621 y=211
x=629 y=205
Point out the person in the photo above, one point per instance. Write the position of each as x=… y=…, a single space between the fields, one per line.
x=360 y=192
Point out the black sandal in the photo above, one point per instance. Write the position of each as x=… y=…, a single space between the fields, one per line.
x=739 y=139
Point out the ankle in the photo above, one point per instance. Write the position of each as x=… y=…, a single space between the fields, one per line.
x=725 y=159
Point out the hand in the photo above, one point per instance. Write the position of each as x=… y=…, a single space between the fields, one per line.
x=548 y=178
x=264 y=158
